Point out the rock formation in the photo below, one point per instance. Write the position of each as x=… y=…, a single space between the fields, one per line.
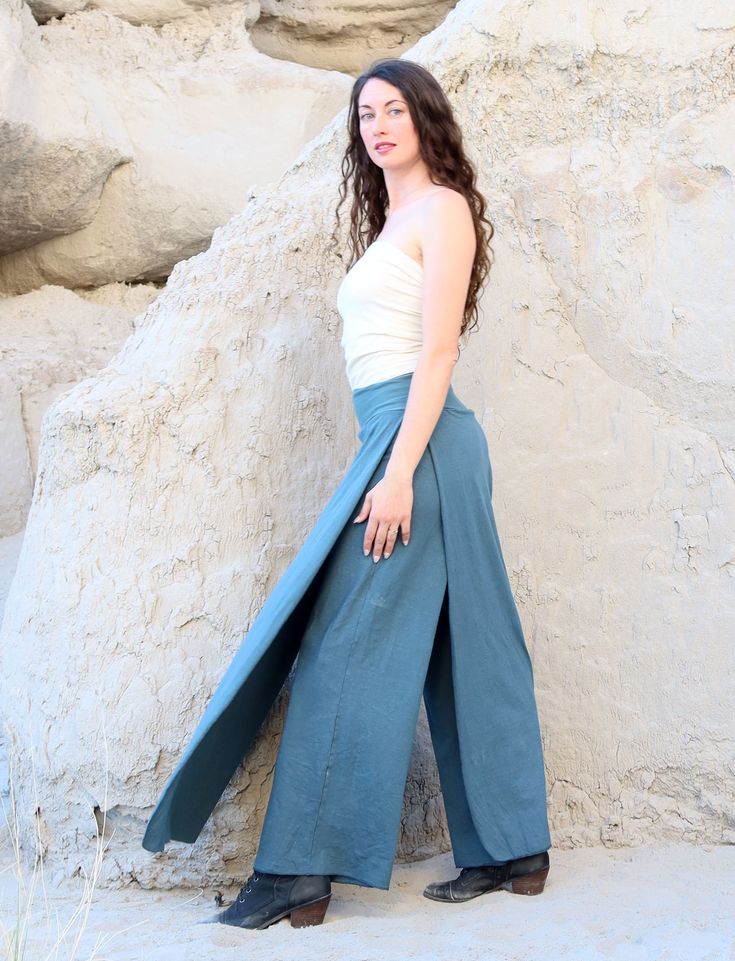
x=343 y=35
x=174 y=486
x=51 y=339
x=148 y=140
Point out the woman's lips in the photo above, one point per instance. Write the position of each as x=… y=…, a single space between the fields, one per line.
x=385 y=147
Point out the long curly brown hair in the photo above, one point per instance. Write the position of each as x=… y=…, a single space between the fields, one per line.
x=442 y=150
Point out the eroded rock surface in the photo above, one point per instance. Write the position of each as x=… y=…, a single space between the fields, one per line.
x=148 y=139
x=154 y=12
x=176 y=484
x=344 y=35
x=50 y=339
x=55 y=154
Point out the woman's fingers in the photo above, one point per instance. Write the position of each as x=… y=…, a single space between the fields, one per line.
x=379 y=543
x=364 y=510
x=381 y=537
x=369 y=541
x=390 y=540
x=381 y=533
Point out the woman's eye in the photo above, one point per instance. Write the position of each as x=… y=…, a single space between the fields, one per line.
x=367 y=116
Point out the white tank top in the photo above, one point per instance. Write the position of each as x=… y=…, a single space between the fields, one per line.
x=380 y=301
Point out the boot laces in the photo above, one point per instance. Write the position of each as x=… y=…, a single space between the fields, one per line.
x=253 y=879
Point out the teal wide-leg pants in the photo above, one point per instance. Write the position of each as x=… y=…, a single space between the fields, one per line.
x=377 y=639
x=436 y=618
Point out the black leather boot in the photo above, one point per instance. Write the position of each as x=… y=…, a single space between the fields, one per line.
x=525 y=875
x=266 y=898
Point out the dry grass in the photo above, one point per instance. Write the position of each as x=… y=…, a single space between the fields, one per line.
x=33 y=930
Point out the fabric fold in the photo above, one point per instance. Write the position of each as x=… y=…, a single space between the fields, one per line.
x=496 y=715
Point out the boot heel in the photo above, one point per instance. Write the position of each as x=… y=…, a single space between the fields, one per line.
x=529 y=883
x=310 y=913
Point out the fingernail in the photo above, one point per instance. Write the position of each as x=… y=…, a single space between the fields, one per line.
x=366 y=551
x=387 y=555
x=376 y=559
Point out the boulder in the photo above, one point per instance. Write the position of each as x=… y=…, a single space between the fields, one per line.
x=345 y=35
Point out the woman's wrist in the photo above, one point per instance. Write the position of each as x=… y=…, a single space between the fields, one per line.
x=400 y=473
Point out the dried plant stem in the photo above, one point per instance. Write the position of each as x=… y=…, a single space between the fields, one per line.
x=61 y=941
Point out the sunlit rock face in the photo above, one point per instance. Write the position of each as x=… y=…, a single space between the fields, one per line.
x=175 y=485
x=123 y=147
x=154 y=12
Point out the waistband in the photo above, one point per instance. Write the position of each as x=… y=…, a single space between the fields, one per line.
x=391 y=395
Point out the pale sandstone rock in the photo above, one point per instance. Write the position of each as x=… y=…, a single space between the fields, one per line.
x=195 y=116
x=343 y=35
x=174 y=487
x=49 y=340
x=55 y=150
x=16 y=477
x=153 y=12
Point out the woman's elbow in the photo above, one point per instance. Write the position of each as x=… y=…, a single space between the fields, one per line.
x=440 y=355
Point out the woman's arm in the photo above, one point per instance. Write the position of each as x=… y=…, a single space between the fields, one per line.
x=448 y=247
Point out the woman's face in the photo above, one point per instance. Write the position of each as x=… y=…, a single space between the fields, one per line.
x=384 y=118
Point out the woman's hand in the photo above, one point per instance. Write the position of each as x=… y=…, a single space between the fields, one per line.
x=387 y=507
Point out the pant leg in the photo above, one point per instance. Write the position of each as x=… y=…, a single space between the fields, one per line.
x=345 y=750
x=467 y=847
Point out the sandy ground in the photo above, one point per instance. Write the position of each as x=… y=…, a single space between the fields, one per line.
x=660 y=903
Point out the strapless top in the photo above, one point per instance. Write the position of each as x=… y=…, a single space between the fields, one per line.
x=380 y=300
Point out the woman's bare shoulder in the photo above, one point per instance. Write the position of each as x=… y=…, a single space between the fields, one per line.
x=447 y=210
x=447 y=197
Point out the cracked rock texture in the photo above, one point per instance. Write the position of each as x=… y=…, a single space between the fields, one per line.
x=50 y=339
x=175 y=485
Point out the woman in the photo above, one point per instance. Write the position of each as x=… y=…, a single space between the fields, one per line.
x=379 y=619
